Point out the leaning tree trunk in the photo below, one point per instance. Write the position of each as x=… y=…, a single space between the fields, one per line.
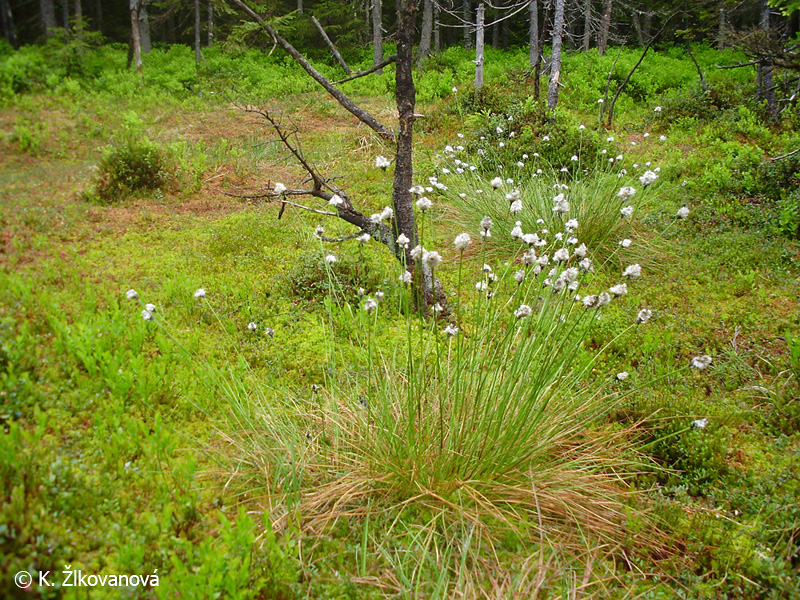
x=427 y=31
x=377 y=34
x=135 y=53
x=479 y=50
x=555 y=65
x=605 y=27
x=48 y=15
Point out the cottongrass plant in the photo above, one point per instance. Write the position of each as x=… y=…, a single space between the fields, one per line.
x=485 y=424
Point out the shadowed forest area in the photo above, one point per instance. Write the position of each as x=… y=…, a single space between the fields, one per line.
x=399 y=300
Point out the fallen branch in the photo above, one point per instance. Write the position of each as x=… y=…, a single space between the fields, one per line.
x=782 y=156
x=334 y=51
x=386 y=61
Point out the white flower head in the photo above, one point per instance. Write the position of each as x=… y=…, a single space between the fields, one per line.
x=432 y=259
x=644 y=316
x=626 y=193
x=701 y=362
x=379 y=295
x=279 y=188
x=417 y=190
x=370 y=305
x=382 y=162
x=561 y=255
x=131 y=294
x=252 y=326
x=512 y=195
x=330 y=259
x=683 y=212
x=625 y=243
x=519 y=276
x=560 y=205
x=417 y=252
x=619 y=290
x=462 y=242
x=405 y=277
x=581 y=251
x=632 y=271
x=589 y=301
x=626 y=212
x=657 y=109
x=481 y=286
x=516 y=207
x=364 y=238
x=424 y=203
x=603 y=299
x=486 y=223
x=622 y=376
x=387 y=213
x=199 y=293
x=586 y=265
x=700 y=423
x=151 y=308
x=523 y=311
x=403 y=241
x=574 y=158
x=319 y=231
x=147 y=315
x=516 y=232
x=451 y=330
x=496 y=182
x=336 y=200
x=648 y=177
x=663 y=138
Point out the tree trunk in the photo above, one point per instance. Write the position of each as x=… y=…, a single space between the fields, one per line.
x=467 y=18
x=210 y=32
x=587 y=25
x=48 y=14
x=65 y=14
x=605 y=27
x=555 y=64
x=300 y=6
x=479 y=50
x=496 y=30
x=98 y=15
x=765 y=68
x=637 y=27
x=377 y=33
x=437 y=46
x=135 y=53
x=144 y=29
x=197 y=54
x=7 y=19
x=723 y=26
x=427 y=31
x=331 y=46
x=78 y=18
x=533 y=33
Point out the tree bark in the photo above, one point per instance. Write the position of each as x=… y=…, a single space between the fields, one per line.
x=587 y=25
x=377 y=33
x=48 y=15
x=605 y=27
x=144 y=29
x=496 y=29
x=65 y=14
x=479 y=50
x=555 y=64
x=723 y=26
x=300 y=6
x=78 y=9
x=135 y=53
x=765 y=68
x=197 y=54
x=533 y=33
x=637 y=26
x=427 y=31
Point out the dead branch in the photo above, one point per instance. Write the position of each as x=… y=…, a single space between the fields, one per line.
x=341 y=98
x=334 y=50
x=386 y=61
x=782 y=156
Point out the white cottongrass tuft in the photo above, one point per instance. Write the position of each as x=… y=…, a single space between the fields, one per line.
x=648 y=177
x=632 y=271
x=486 y=223
x=336 y=200
x=382 y=162
x=432 y=259
x=519 y=276
x=701 y=362
x=364 y=238
x=405 y=277
x=626 y=193
x=523 y=311
x=700 y=423
x=370 y=305
x=560 y=205
x=625 y=243
x=496 y=182
x=403 y=241
x=131 y=294
x=561 y=255
x=516 y=207
x=644 y=316
x=622 y=376
x=387 y=213
x=279 y=188
x=424 y=203
x=626 y=212
x=571 y=225
x=252 y=326
x=451 y=330
x=683 y=212
x=199 y=293
x=330 y=259
x=462 y=242
x=618 y=290
x=147 y=315
x=417 y=252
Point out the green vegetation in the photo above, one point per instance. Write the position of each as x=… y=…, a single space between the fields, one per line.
x=274 y=439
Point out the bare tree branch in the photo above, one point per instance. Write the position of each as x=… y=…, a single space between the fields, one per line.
x=386 y=61
x=342 y=99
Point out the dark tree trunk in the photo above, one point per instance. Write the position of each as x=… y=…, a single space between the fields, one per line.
x=98 y=15
x=496 y=30
x=135 y=48
x=437 y=46
x=427 y=31
x=467 y=18
x=7 y=18
x=210 y=32
x=533 y=33
x=587 y=25
x=48 y=15
x=65 y=14
x=765 y=68
x=197 y=52
x=377 y=33
x=144 y=29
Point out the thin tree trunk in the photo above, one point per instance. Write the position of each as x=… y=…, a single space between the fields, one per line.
x=197 y=54
x=605 y=27
x=300 y=6
x=135 y=53
x=377 y=33
x=637 y=27
x=466 y=16
x=210 y=31
x=144 y=29
x=332 y=48
x=533 y=33
x=48 y=15
x=437 y=46
x=427 y=31
x=496 y=30
x=78 y=19
x=587 y=25
x=479 y=50
x=723 y=26
x=98 y=15
x=65 y=14
x=555 y=65
x=7 y=18
x=765 y=68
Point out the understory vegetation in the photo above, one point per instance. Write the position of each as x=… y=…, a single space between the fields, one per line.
x=201 y=388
